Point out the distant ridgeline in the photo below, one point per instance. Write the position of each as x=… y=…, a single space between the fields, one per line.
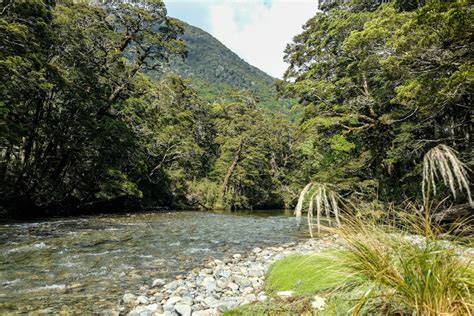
x=216 y=71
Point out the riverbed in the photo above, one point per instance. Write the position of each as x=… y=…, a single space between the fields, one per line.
x=85 y=264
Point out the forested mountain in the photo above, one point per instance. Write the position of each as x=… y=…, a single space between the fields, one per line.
x=208 y=59
x=215 y=70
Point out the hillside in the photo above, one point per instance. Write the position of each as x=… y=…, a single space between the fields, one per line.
x=216 y=70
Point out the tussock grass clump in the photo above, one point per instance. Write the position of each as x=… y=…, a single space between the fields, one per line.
x=417 y=273
x=307 y=274
x=442 y=162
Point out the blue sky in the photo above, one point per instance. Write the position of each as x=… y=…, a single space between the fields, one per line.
x=257 y=30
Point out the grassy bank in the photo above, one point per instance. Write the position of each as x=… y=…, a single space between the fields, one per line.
x=379 y=272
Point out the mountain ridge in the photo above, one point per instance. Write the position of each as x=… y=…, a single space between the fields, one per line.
x=198 y=41
x=215 y=70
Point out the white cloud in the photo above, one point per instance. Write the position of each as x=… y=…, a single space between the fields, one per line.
x=257 y=32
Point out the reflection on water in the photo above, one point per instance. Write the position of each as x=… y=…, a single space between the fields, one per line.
x=86 y=264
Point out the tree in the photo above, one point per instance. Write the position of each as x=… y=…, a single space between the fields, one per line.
x=67 y=70
x=379 y=88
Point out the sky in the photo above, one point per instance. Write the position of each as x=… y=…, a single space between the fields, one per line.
x=256 y=30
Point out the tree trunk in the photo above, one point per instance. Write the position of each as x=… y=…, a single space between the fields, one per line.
x=230 y=171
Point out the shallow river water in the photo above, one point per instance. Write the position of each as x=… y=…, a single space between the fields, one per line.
x=84 y=265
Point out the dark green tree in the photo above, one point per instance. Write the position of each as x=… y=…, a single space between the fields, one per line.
x=380 y=87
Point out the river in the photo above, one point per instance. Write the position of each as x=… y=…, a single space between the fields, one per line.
x=85 y=264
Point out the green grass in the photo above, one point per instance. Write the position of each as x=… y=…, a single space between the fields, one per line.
x=380 y=272
x=307 y=274
x=299 y=306
x=427 y=277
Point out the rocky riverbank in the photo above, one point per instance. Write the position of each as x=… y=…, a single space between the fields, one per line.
x=218 y=286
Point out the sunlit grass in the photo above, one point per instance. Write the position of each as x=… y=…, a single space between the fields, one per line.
x=307 y=274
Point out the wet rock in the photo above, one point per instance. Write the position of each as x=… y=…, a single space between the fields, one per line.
x=237 y=256
x=174 y=285
x=129 y=298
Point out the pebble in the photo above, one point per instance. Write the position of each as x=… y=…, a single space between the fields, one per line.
x=234 y=287
x=129 y=298
x=285 y=294
x=318 y=302
x=142 y=299
x=158 y=282
x=183 y=309
x=221 y=284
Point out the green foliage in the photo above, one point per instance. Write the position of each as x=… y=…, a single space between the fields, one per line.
x=90 y=113
x=255 y=153
x=298 y=307
x=67 y=72
x=381 y=84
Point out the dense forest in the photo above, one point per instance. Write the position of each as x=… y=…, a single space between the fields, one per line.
x=92 y=118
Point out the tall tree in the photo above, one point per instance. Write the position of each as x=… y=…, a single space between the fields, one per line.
x=380 y=86
x=66 y=71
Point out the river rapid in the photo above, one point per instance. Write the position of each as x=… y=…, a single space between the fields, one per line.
x=85 y=264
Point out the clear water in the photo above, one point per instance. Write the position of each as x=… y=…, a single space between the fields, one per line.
x=85 y=265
